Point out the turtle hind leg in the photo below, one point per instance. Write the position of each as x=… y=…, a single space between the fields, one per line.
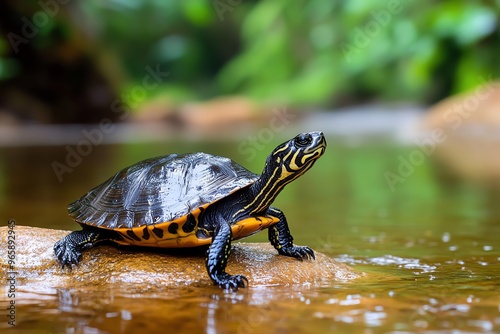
x=217 y=256
x=69 y=249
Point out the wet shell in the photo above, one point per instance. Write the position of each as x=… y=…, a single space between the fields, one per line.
x=160 y=190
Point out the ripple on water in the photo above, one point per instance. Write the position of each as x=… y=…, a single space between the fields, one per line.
x=389 y=260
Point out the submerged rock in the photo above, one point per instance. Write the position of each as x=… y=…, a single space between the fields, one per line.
x=36 y=265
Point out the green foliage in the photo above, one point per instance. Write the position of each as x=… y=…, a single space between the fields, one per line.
x=313 y=52
x=296 y=52
x=8 y=67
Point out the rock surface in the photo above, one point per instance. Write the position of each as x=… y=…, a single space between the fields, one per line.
x=36 y=265
x=463 y=129
x=460 y=113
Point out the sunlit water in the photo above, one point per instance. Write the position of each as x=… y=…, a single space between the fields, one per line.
x=429 y=247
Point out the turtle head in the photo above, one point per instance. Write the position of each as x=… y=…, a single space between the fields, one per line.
x=294 y=157
x=287 y=162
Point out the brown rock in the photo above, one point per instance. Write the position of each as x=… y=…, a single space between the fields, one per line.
x=218 y=113
x=154 y=111
x=38 y=270
x=478 y=108
x=465 y=130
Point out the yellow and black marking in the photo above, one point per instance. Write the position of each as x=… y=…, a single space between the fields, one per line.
x=191 y=223
x=132 y=235
x=294 y=164
x=274 y=237
x=182 y=232
x=157 y=231
x=252 y=225
x=145 y=233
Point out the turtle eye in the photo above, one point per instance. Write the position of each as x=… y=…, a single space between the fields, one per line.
x=303 y=139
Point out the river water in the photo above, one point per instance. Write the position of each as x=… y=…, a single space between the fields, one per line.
x=427 y=240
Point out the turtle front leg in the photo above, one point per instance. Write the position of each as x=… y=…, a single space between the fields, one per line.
x=217 y=256
x=282 y=240
x=69 y=249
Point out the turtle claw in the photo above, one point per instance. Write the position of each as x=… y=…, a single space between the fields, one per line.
x=299 y=252
x=66 y=254
x=232 y=283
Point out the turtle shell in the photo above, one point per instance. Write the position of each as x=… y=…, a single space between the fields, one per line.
x=167 y=189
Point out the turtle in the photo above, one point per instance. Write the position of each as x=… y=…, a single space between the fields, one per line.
x=191 y=200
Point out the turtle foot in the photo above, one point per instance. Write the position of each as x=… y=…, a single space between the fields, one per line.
x=299 y=252
x=66 y=253
x=231 y=282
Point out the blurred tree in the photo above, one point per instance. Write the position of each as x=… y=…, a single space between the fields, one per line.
x=47 y=73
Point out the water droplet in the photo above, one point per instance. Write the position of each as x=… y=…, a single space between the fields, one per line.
x=487 y=248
